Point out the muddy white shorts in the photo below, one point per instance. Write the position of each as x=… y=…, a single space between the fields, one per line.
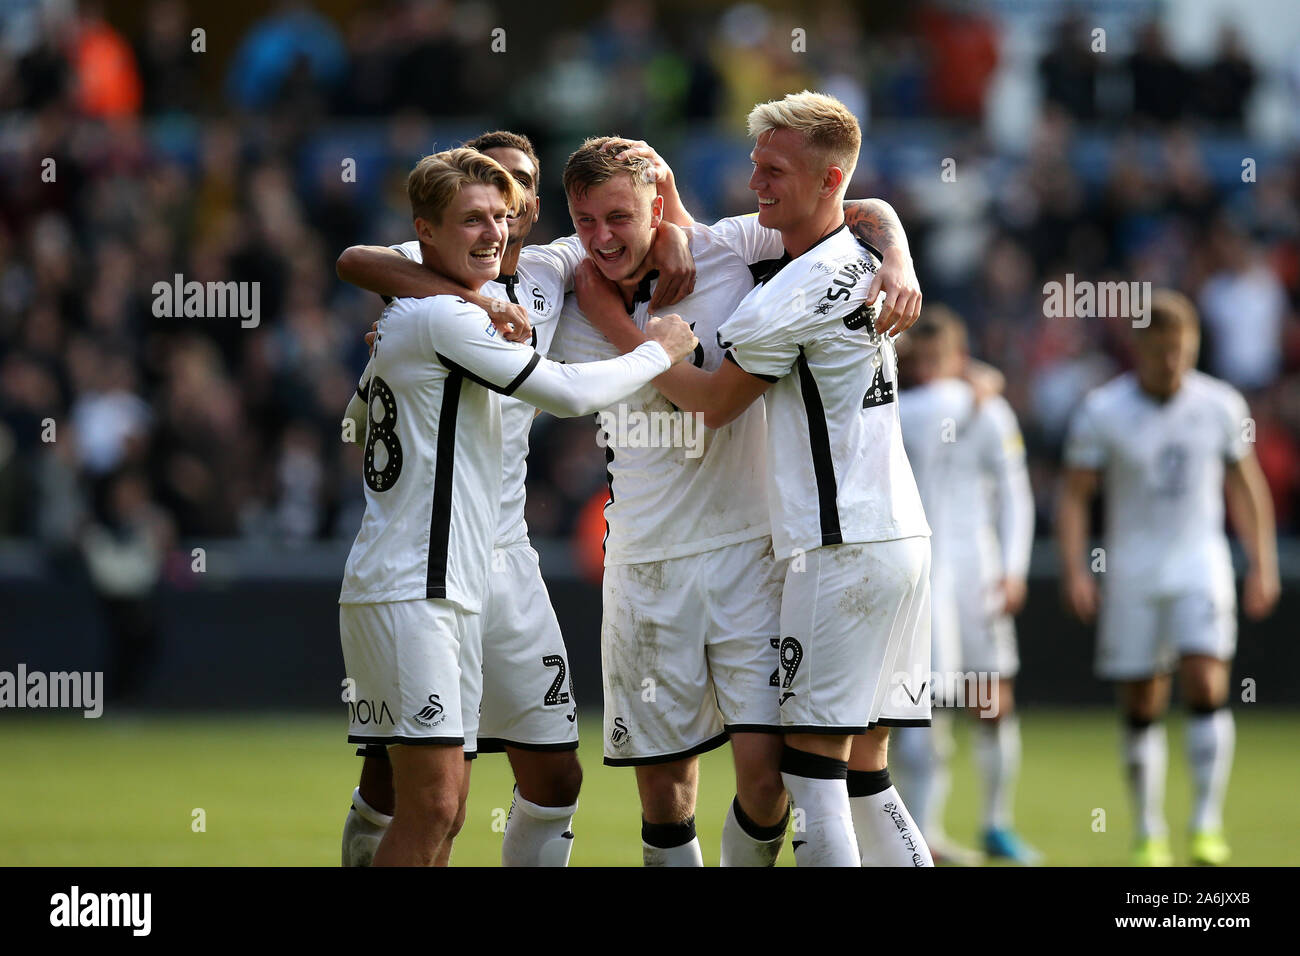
x=688 y=647
x=855 y=638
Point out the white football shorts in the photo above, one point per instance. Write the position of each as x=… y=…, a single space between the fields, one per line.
x=416 y=671
x=1140 y=634
x=855 y=638
x=528 y=697
x=688 y=651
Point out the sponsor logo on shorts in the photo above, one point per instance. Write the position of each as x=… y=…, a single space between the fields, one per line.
x=367 y=711
x=432 y=715
x=618 y=736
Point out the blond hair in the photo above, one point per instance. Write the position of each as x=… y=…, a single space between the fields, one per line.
x=825 y=124
x=1171 y=309
x=437 y=179
x=595 y=162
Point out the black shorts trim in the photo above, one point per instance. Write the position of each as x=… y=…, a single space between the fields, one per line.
x=409 y=741
x=713 y=743
x=753 y=728
x=900 y=722
x=808 y=729
x=497 y=745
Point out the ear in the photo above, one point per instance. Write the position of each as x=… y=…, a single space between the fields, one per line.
x=831 y=181
x=537 y=209
x=424 y=230
x=656 y=211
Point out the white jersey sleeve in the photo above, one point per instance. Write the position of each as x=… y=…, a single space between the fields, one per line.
x=559 y=260
x=1236 y=413
x=1003 y=455
x=465 y=340
x=1085 y=443
x=747 y=239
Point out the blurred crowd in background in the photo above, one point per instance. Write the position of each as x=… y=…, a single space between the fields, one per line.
x=191 y=428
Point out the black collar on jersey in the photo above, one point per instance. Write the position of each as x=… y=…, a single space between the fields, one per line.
x=764 y=270
x=509 y=281
x=642 y=291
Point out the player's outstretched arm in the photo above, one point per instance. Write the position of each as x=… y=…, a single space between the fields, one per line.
x=720 y=395
x=1078 y=589
x=1250 y=509
x=568 y=391
x=875 y=221
x=460 y=340
x=392 y=275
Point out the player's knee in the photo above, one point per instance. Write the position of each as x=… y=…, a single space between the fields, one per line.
x=438 y=808
x=566 y=781
x=762 y=794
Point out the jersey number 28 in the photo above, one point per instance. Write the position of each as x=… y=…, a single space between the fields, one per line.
x=382 y=430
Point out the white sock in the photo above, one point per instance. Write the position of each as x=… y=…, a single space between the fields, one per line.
x=537 y=835
x=887 y=834
x=1211 y=739
x=997 y=752
x=670 y=844
x=1146 y=758
x=362 y=831
x=823 y=821
x=744 y=843
x=921 y=754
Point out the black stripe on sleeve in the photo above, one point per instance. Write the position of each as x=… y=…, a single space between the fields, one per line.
x=730 y=357
x=519 y=379
x=435 y=585
x=819 y=442
x=503 y=389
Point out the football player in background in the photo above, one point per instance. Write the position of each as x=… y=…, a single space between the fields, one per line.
x=969 y=460
x=1163 y=443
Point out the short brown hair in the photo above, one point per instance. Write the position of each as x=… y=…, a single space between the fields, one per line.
x=824 y=122
x=940 y=322
x=593 y=164
x=1171 y=309
x=436 y=180
x=503 y=138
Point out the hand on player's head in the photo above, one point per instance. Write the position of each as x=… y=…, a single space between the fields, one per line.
x=671 y=332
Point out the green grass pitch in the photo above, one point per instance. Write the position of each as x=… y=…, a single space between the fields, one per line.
x=274 y=790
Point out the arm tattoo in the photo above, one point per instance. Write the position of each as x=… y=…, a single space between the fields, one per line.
x=874 y=221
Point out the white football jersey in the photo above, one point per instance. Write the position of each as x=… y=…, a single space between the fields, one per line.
x=970 y=468
x=838 y=470
x=543 y=276
x=706 y=488
x=432 y=461
x=1162 y=465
